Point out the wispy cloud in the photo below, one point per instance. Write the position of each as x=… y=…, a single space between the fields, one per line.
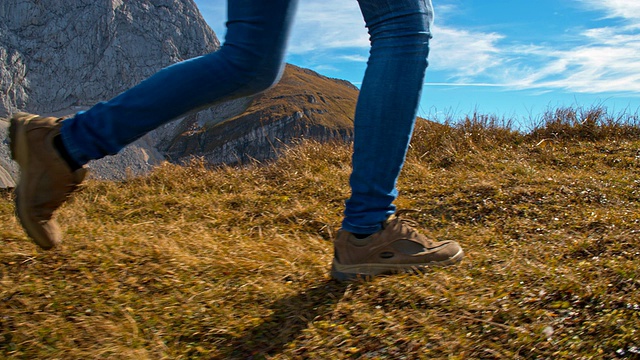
x=463 y=52
x=608 y=65
x=625 y=9
x=460 y=84
x=605 y=60
x=327 y=25
x=354 y=58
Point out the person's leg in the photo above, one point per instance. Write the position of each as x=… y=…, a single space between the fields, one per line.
x=372 y=240
x=385 y=114
x=51 y=152
x=250 y=61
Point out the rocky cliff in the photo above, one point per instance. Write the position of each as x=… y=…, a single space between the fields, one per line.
x=8 y=168
x=58 y=57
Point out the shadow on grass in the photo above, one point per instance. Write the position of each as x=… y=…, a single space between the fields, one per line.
x=290 y=316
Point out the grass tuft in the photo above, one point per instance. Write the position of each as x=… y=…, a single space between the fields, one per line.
x=592 y=124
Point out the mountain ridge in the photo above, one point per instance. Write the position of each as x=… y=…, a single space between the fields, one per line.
x=321 y=108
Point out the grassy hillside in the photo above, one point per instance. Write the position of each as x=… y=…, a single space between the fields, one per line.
x=232 y=263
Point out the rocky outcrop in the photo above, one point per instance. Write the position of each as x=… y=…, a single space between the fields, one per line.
x=56 y=55
x=8 y=168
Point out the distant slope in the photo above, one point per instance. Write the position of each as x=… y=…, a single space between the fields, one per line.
x=304 y=104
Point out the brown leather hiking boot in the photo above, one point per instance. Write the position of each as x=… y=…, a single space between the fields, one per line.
x=46 y=180
x=395 y=248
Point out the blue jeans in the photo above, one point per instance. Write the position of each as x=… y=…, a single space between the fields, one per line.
x=251 y=60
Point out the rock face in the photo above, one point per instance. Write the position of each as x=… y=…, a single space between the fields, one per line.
x=8 y=168
x=59 y=57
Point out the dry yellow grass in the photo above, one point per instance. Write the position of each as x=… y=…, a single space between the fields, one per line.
x=232 y=263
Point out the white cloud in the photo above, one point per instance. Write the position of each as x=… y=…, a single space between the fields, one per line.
x=595 y=68
x=626 y=9
x=354 y=58
x=605 y=60
x=453 y=84
x=326 y=25
x=465 y=53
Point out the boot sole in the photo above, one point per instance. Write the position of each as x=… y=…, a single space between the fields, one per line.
x=20 y=153
x=368 y=271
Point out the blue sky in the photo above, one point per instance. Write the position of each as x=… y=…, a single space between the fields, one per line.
x=512 y=58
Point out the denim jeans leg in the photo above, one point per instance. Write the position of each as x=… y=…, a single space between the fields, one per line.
x=385 y=114
x=250 y=60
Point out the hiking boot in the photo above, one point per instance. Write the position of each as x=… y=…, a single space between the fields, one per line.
x=395 y=248
x=46 y=180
